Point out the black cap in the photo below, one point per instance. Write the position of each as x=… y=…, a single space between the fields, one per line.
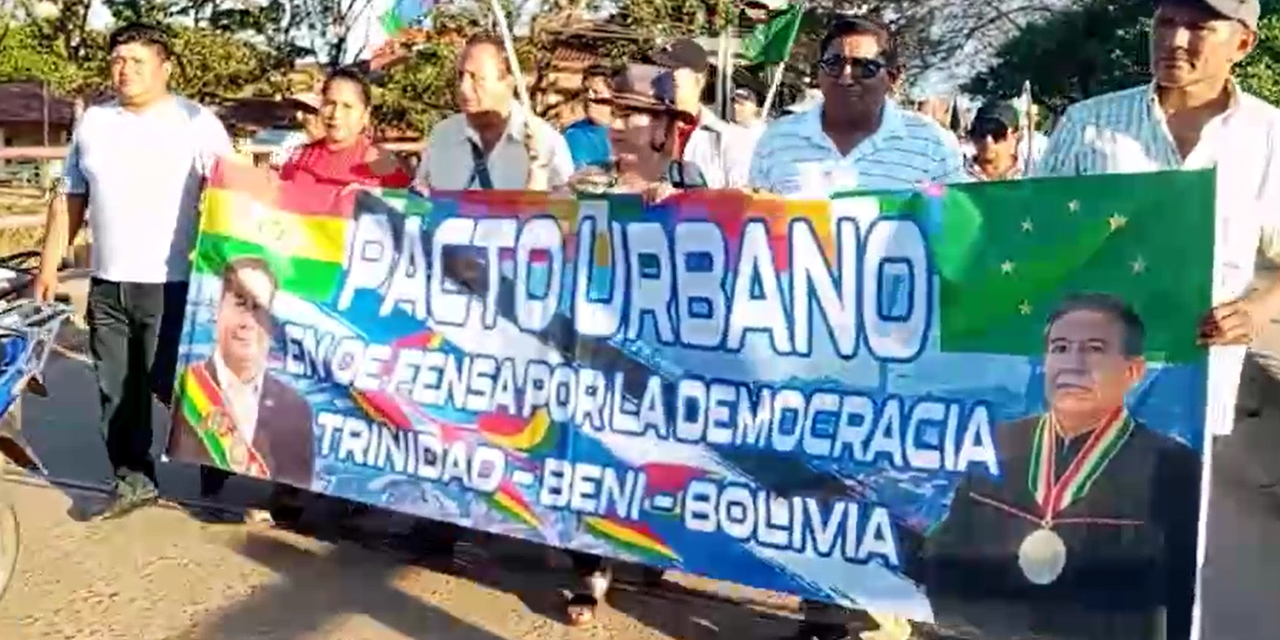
x=1000 y=111
x=1245 y=12
x=644 y=87
x=683 y=54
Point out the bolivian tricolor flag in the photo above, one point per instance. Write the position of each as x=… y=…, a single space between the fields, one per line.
x=633 y=538
x=299 y=230
x=508 y=501
x=535 y=435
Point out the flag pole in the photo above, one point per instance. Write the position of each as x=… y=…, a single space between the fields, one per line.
x=1027 y=129
x=773 y=87
x=508 y=44
x=782 y=66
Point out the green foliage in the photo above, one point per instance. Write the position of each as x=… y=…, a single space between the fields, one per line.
x=1103 y=46
x=418 y=92
x=212 y=65
x=1259 y=74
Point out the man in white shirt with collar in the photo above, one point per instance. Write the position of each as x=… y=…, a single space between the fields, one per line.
x=1193 y=116
x=138 y=165
x=488 y=145
x=721 y=151
x=857 y=138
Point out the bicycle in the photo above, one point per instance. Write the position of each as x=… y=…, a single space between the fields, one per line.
x=28 y=330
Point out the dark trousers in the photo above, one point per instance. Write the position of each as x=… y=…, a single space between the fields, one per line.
x=134 y=329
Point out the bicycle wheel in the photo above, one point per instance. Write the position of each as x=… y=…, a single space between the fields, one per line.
x=8 y=544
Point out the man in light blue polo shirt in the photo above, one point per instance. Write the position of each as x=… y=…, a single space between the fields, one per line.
x=138 y=164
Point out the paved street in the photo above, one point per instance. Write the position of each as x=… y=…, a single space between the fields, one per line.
x=162 y=575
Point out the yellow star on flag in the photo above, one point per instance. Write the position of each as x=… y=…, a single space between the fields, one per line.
x=1139 y=265
x=1027 y=226
x=1116 y=221
x=1074 y=206
x=1025 y=308
x=1007 y=266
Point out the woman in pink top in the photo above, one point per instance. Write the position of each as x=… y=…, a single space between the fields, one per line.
x=346 y=155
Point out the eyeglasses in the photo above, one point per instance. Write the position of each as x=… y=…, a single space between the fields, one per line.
x=993 y=129
x=864 y=68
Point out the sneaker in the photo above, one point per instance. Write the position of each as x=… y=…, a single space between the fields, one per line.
x=132 y=492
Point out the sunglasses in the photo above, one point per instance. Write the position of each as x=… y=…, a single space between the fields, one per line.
x=995 y=130
x=864 y=68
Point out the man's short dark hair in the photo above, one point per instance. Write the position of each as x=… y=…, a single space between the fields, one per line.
x=1133 y=340
x=251 y=263
x=491 y=40
x=142 y=33
x=846 y=26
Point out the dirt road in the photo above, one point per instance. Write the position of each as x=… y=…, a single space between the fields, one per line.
x=161 y=575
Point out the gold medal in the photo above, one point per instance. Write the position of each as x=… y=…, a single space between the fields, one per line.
x=1042 y=556
x=238 y=455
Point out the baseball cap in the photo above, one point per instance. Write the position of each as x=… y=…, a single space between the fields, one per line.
x=1000 y=111
x=644 y=87
x=1246 y=12
x=683 y=53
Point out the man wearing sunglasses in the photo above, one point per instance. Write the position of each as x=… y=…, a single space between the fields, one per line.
x=996 y=140
x=857 y=138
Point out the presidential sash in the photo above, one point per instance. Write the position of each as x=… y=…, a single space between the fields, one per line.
x=205 y=410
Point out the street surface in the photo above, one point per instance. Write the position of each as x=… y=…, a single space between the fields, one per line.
x=162 y=575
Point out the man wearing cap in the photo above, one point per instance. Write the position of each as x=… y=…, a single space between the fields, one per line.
x=1194 y=116
x=721 y=151
x=995 y=137
x=746 y=109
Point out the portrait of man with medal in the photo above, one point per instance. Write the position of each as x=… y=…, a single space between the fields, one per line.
x=1090 y=530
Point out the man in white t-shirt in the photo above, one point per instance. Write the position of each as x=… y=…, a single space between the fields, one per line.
x=138 y=164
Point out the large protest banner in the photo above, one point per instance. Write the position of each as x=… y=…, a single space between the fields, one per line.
x=893 y=401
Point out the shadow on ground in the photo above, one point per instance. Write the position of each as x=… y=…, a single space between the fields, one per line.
x=317 y=589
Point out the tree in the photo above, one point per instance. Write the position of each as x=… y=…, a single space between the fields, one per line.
x=1102 y=46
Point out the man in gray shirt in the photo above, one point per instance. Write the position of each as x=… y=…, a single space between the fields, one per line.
x=138 y=163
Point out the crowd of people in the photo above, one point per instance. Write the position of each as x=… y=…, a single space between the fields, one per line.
x=138 y=164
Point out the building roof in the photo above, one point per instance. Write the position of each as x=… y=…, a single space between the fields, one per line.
x=24 y=102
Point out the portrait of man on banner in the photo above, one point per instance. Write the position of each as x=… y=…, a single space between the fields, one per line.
x=1094 y=512
x=235 y=414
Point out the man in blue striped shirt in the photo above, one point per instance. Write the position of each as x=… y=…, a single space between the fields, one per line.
x=857 y=138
